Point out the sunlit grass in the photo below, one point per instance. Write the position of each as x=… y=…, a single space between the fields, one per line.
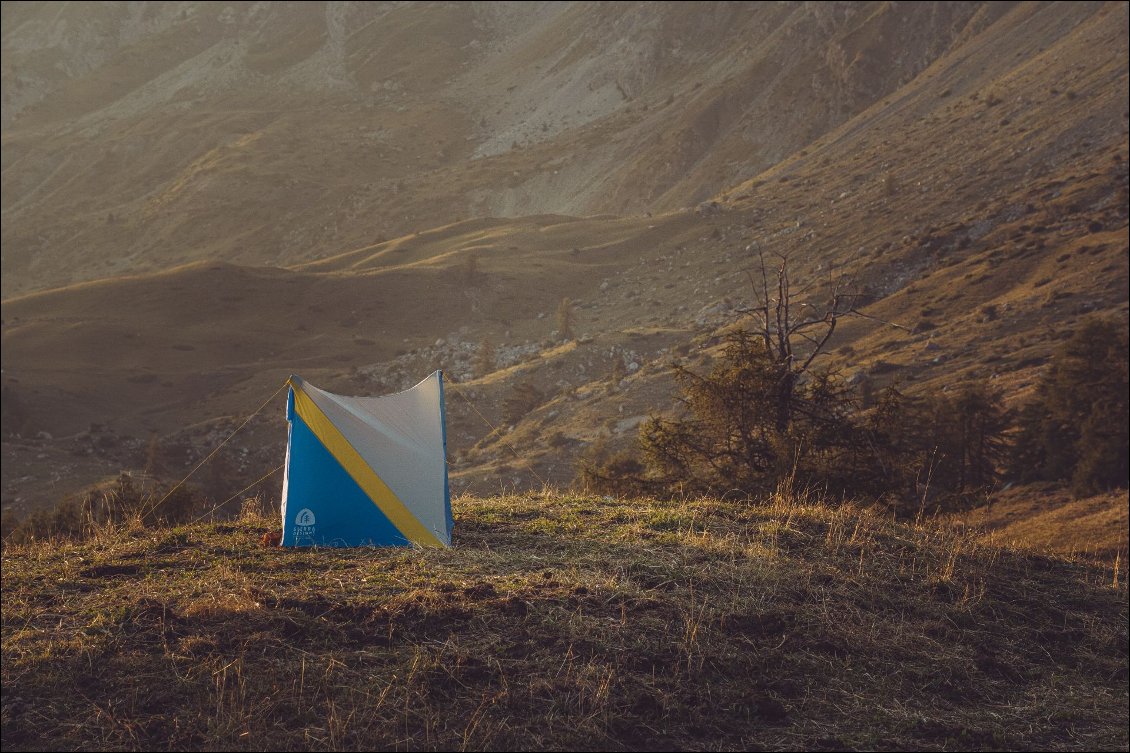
x=566 y=622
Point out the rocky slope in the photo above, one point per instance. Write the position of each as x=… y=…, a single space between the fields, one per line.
x=348 y=210
x=141 y=136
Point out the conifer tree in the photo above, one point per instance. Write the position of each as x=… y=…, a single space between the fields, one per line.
x=1077 y=428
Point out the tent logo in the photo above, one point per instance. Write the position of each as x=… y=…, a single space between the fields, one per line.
x=304 y=524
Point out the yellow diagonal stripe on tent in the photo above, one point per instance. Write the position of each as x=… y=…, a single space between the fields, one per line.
x=359 y=470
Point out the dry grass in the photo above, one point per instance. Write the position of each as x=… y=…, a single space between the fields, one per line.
x=1048 y=518
x=565 y=622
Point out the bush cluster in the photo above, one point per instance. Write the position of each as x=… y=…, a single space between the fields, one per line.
x=751 y=424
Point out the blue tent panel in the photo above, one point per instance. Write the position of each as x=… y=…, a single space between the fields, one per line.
x=325 y=506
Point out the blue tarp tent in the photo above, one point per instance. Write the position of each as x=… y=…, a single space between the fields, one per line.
x=366 y=471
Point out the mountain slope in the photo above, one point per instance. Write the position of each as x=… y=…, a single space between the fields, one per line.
x=982 y=205
x=141 y=137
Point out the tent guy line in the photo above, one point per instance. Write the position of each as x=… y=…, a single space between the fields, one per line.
x=254 y=483
x=212 y=454
x=373 y=470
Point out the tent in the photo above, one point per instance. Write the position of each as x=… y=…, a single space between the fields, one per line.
x=366 y=471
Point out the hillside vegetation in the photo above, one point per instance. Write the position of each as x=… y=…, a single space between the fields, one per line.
x=565 y=622
x=198 y=203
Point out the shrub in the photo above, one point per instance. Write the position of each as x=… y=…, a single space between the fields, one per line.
x=104 y=509
x=1077 y=427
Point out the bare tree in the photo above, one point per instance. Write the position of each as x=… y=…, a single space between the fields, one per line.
x=794 y=331
x=766 y=410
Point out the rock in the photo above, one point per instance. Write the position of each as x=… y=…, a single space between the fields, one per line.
x=631 y=422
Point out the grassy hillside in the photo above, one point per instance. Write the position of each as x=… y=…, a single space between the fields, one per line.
x=568 y=623
x=1046 y=518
